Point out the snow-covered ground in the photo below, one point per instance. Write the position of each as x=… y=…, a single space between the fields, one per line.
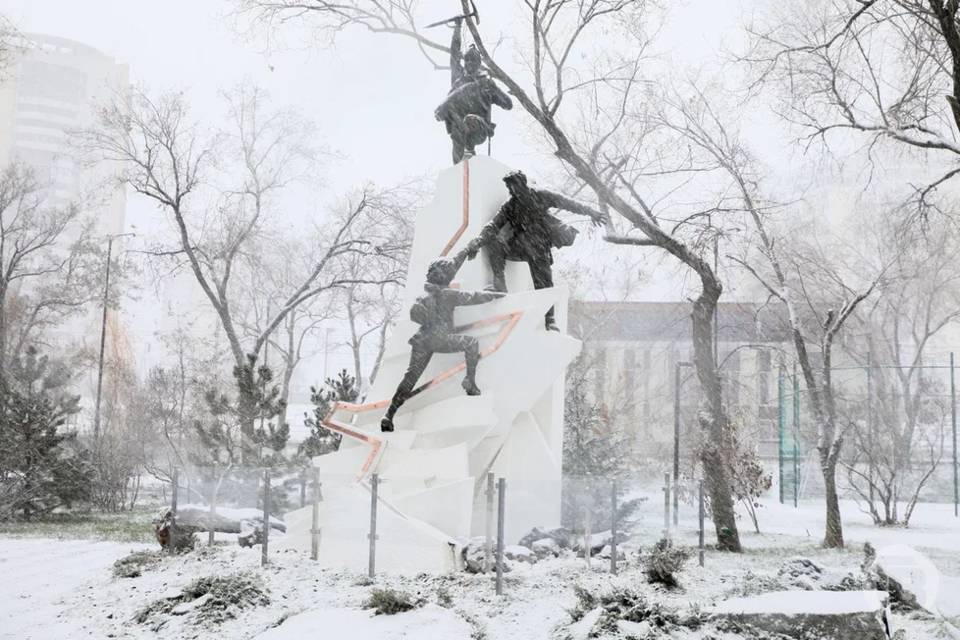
x=65 y=589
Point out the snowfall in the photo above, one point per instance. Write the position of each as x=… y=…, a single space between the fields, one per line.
x=54 y=588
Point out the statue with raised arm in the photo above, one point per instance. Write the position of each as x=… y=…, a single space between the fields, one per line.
x=433 y=311
x=524 y=230
x=466 y=112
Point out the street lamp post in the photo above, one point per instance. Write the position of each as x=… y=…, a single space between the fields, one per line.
x=103 y=333
x=676 y=438
x=326 y=350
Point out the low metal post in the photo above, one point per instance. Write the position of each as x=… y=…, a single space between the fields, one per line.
x=666 y=505
x=213 y=515
x=303 y=488
x=488 y=539
x=264 y=558
x=613 y=527
x=501 y=515
x=171 y=538
x=588 y=526
x=315 y=518
x=374 y=487
x=700 y=516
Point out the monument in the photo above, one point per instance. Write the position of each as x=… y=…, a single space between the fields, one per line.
x=429 y=435
x=433 y=467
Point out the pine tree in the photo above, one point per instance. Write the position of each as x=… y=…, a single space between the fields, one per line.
x=41 y=466
x=597 y=450
x=249 y=428
x=321 y=440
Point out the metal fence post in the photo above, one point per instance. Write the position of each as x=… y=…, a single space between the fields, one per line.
x=488 y=541
x=796 y=438
x=213 y=514
x=303 y=488
x=501 y=514
x=613 y=526
x=588 y=524
x=676 y=440
x=953 y=420
x=781 y=419
x=666 y=505
x=374 y=486
x=264 y=559
x=700 y=509
x=171 y=538
x=315 y=519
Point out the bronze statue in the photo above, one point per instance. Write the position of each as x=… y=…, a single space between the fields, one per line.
x=434 y=313
x=467 y=108
x=525 y=231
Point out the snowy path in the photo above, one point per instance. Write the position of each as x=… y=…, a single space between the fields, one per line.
x=37 y=575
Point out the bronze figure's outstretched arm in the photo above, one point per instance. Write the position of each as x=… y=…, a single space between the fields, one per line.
x=559 y=201
x=456 y=62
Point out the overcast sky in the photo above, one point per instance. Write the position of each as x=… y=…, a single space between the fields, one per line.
x=372 y=96
x=195 y=46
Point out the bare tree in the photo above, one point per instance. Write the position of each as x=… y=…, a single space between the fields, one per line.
x=49 y=262
x=900 y=428
x=888 y=70
x=9 y=45
x=370 y=311
x=166 y=158
x=395 y=17
x=817 y=292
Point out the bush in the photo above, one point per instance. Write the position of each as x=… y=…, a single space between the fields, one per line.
x=389 y=601
x=227 y=593
x=626 y=604
x=133 y=565
x=664 y=562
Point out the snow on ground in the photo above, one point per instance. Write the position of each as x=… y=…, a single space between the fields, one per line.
x=65 y=589
x=40 y=579
x=430 y=621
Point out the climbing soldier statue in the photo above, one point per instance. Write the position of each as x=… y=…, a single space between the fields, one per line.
x=467 y=109
x=525 y=231
x=434 y=313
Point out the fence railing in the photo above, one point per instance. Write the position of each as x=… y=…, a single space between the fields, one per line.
x=599 y=519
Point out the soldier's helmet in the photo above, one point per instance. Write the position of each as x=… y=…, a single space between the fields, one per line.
x=441 y=271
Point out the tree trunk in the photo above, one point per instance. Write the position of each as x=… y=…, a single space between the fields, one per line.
x=713 y=420
x=833 y=535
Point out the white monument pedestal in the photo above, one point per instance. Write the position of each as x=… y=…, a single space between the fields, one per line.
x=433 y=467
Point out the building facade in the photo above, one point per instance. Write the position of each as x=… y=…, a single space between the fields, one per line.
x=633 y=350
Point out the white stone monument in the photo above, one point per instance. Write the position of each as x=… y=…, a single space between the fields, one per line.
x=433 y=468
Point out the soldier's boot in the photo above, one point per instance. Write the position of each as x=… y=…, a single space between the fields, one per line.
x=550 y=322
x=472 y=356
x=386 y=425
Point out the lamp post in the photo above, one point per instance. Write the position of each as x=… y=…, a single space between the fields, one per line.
x=676 y=438
x=103 y=332
x=326 y=350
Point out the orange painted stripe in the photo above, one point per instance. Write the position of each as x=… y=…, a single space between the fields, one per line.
x=466 y=209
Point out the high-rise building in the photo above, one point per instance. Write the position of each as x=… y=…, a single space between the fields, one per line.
x=52 y=90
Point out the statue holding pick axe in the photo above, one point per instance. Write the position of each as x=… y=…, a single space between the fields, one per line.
x=466 y=112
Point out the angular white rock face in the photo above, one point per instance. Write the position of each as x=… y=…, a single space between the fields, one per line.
x=434 y=466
